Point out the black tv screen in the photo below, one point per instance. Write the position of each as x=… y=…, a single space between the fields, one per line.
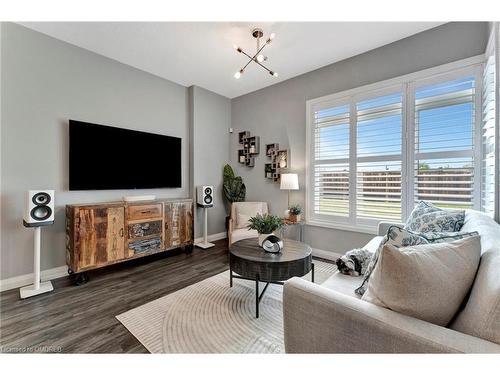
x=104 y=158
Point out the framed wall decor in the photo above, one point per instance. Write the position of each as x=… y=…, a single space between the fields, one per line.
x=278 y=163
x=251 y=148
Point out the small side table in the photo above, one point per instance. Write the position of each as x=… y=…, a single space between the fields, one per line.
x=289 y=223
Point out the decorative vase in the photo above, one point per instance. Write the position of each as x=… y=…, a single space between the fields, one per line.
x=294 y=218
x=287 y=214
x=262 y=237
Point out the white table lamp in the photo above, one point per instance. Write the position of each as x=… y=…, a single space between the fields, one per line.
x=289 y=181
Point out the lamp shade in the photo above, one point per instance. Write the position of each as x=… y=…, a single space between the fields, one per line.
x=289 y=181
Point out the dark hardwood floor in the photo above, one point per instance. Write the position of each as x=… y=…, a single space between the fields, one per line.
x=81 y=319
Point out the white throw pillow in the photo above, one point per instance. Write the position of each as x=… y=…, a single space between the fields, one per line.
x=428 y=282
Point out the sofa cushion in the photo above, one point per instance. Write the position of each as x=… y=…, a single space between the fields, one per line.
x=481 y=314
x=403 y=278
x=426 y=217
x=397 y=237
x=400 y=237
x=374 y=243
x=344 y=284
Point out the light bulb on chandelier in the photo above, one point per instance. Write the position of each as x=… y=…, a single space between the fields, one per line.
x=237 y=75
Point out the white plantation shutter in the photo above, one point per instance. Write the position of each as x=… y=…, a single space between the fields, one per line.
x=378 y=168
x=444 y=143
x=375 y=151
x=331 y=161
x=488 y=136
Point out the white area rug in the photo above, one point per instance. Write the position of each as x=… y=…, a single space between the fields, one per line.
x=211 y=317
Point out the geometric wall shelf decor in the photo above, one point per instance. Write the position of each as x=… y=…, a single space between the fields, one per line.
x=278 y=162
x=251 y=148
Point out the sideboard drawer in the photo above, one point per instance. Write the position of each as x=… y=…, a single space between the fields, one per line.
x=145 y=229
x=144 y=211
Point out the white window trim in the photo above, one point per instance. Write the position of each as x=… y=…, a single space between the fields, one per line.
x=472 y=65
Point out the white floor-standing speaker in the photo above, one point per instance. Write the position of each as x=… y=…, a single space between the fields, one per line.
x=38 y=212
x=205 y=199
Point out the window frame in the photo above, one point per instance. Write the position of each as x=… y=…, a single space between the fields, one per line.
x=407 y=85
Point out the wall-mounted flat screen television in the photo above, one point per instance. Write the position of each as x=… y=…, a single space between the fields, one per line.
x=105 y=158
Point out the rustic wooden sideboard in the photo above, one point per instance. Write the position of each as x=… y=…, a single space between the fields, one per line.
x=101 y=234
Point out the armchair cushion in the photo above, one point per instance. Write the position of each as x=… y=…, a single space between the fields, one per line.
x=242 y=234
x=242 y=211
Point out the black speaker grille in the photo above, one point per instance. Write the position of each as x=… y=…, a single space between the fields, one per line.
x=41 y=198
x=41 y=213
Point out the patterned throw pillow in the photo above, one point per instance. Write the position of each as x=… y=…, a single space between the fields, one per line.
x=400 y=237
x=435 y=237
x=426 y=217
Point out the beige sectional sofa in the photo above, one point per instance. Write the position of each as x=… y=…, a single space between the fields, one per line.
x=331 y=318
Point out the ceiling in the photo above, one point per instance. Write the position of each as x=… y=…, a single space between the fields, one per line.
x=202 y=53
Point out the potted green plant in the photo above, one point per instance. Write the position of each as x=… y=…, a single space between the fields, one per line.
x=294 y=213
x=265 y=225
x=233 y=187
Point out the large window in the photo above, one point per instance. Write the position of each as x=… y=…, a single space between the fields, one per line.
x=375 y=151
x=378 y=157
x=444 y=143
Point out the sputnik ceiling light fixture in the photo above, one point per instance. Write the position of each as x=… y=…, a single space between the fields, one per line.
x=258 y=58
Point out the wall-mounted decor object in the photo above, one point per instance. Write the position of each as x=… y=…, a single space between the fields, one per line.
x=279 y=162
x=251 y=147
x=271 y=149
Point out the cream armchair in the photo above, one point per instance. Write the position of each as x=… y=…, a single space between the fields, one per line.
x=238 y=221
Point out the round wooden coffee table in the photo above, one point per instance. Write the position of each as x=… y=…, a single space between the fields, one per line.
x=250 y=262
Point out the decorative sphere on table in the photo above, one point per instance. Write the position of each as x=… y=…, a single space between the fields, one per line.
x=272 y=244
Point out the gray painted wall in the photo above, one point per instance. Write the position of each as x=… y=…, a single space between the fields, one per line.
x=45 y=82
x=210 y=120
x=278 y=113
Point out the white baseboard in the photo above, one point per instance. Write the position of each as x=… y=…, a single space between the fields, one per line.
x=54 y=273
x=212 y=237
x=23 y=280
x=325 y=254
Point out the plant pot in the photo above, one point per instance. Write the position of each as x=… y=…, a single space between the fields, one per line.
x=294 y=218
x=262 y=237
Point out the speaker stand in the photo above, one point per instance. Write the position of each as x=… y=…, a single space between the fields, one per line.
x=205 y=244
x=37 y=287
